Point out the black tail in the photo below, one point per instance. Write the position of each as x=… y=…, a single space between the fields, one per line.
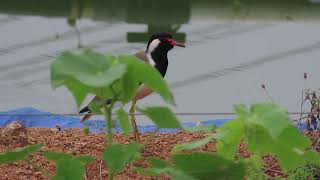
x=85 y=109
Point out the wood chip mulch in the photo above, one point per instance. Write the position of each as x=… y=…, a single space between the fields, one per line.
x=74 y=141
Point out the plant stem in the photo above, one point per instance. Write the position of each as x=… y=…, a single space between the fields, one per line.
x=110 y=176
x=109 y=123
x=108 y=112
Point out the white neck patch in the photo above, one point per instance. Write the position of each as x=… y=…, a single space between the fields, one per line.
x=152 y=46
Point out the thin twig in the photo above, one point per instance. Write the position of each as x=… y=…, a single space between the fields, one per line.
x=317 y=144
x=269 y=96
x=100 y=169
x=301 y=107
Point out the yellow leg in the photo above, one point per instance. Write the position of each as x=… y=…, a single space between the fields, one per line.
x=133 y=122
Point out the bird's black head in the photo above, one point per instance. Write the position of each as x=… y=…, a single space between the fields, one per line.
x=162 y=41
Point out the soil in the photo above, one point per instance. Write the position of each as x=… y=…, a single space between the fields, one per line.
x=76 y=142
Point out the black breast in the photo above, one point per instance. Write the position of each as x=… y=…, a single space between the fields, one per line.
x=161 y=61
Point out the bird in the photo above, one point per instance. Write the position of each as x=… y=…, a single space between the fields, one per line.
x=156 y=55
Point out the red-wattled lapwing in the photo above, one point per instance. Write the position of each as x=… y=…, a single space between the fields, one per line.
x=156 y=55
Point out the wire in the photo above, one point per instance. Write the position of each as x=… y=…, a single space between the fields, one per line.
x=140 y=114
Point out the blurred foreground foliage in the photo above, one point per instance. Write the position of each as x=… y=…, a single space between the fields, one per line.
x=264 y=128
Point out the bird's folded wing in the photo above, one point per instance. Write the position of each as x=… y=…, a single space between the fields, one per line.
x=142 y=56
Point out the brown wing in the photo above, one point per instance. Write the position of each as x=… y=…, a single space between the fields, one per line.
x=142 y=56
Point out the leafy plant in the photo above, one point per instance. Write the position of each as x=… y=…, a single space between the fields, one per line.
x=19 y=153
x=113 y=79
x=124 y=154
x=158 y=114
x=68 y=166
x=302 y=173
x=265 y=129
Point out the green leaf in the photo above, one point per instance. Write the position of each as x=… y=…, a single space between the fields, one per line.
x=117 y=156
x=312 y=157
x=267 y=130
x=157 y=162
x=78 y=90
x=95 y=106
x=103 y=78
x=193 y=145
x=56 y=156
x=255 y=161
x=124 y=121
x=301 y=173
x=206 y=166
x=90 y=68
x=286 y=148
x=201 y=128
x=241 y=110
x=85 y=159
x=68 y=166
x=158 y=166
x=178 y=175
x=84 y=73
x=19 y=153
x=86 y=130
x=162 y=117
x=162 y=167
x=68 y=169
x=267 y=115
x=229 y=137
x=140 y=72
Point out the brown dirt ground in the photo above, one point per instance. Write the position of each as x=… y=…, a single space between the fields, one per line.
x=76 y=142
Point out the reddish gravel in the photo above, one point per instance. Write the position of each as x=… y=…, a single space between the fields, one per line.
x=75 y=142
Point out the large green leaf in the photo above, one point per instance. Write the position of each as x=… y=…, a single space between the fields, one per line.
x=270 y=116
x=202 y=128
x=158 y=163
x=193 y=145
x=177 y=174
x=269 y=131
x=124 y=121
x=291 y=144
x=162 y=117
x=140 y=72
x=68 y=166
x=312 y=157
x=90 y=68
x=158 y=166
x=162 y=167
x=229 y=137
x=84 y=73
x=117 y=156
x=206 y=166
x=19 y=153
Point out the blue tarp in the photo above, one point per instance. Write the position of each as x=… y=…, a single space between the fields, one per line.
x=42 y=119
